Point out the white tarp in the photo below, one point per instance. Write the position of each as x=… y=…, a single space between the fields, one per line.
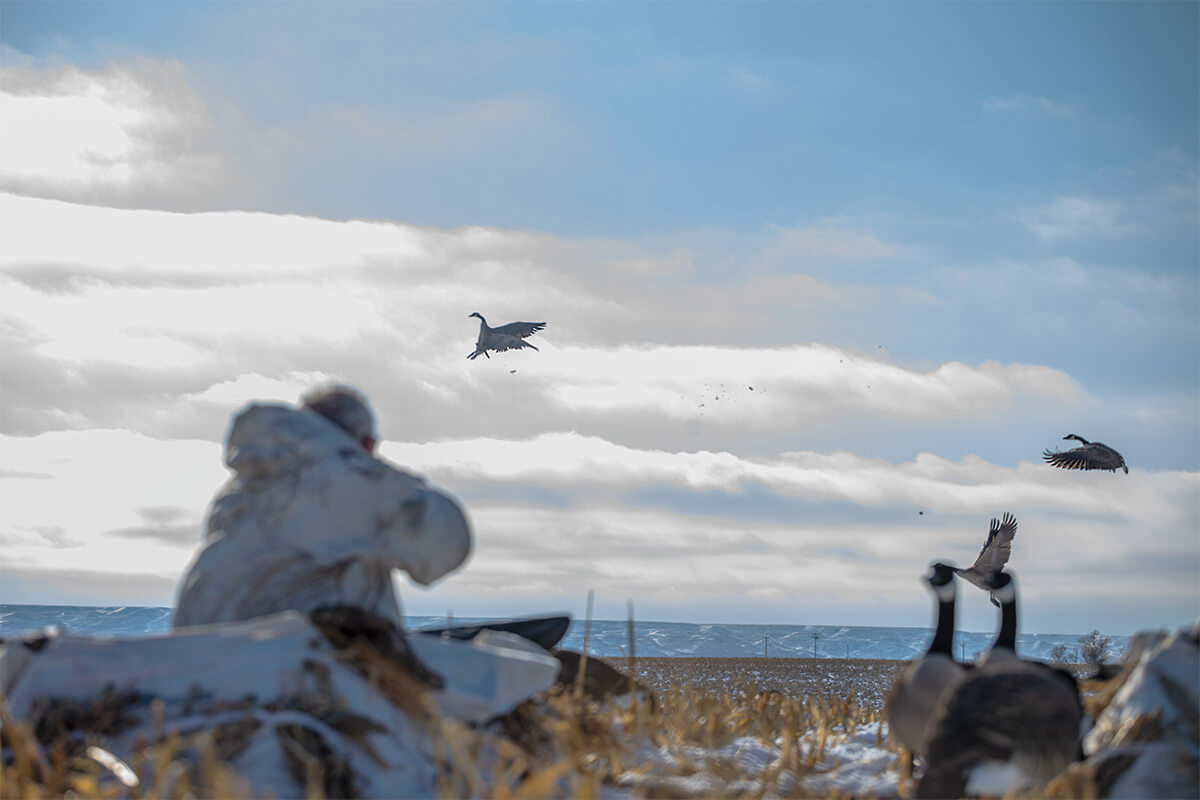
x=279 y=670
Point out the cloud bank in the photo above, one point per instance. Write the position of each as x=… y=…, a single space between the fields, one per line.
x=715 y=424
x=127 y=136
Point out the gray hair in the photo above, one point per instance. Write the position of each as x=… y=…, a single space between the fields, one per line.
x=344 y=406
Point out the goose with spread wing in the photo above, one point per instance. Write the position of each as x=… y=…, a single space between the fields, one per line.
x=504 y=337
x=1091 y=455
x=993 y=556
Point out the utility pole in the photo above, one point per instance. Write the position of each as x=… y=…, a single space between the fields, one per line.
x=815 y=637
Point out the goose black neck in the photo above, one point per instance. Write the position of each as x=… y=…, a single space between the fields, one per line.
x=1007 y=637
x=943 y=636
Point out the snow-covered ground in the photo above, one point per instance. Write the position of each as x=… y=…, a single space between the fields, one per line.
x=856 y=763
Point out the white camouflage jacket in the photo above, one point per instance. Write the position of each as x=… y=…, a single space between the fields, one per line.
x=311 y=519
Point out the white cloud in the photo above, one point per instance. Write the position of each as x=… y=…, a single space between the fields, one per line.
x=581 y=463
x=1076 y=217
x=246 y=388
x=99 y=480
x=783 y=387
x=129 y=135
x=131 y=506
x=817 y=570
x=196 y=300
x=231 y=247
x=163 y=323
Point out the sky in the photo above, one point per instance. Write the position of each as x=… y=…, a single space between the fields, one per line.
x=821 y=281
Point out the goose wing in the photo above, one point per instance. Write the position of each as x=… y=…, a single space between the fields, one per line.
x=503 y=341
x=1104 y=457
x=1090 y=456
x=519 y=329
x=998 y=547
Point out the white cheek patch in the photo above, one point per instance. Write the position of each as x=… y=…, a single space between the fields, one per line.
x=995 y=779
x=1006 y=593
x=945 y=593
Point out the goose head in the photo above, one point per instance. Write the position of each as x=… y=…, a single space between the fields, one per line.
x=1077 y=438
x=940 y=579
x=1001 y=584
x=475 y=314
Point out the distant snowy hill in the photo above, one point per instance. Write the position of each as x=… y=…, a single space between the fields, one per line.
x=608 y=637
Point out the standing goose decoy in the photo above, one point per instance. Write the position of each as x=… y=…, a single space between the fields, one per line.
x=993 y=556
x=914 y=696
x=1092 y=455
x=1004 y=648
x=1009 y=725
x=505 y=337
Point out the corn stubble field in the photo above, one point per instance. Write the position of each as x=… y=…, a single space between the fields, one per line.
x=729 y=727
x=864 y=681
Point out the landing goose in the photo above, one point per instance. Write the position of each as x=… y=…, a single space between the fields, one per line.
x=993 y=555
x=1008 y=725
x=504 y=337
x=914 y=695
x=1092 y=455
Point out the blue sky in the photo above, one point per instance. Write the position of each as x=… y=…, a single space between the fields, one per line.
x=920 y=231
x=790 y=111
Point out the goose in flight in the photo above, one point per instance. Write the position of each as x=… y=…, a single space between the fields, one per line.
x=505 y=337
x=1092 y=455
x=993 y=556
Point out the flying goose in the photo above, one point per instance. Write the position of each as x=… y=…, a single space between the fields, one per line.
x=914 y=695
x=992 y=556
x=505 y=337
x=1092 y=455
x=1008 y=725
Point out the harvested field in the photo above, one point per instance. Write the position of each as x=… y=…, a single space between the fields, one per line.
x=721 y=727
x=866 y=681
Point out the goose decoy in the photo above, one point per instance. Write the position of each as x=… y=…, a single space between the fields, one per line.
x=1004 y=647
x=1008 y=725
x=992 y=556
x=505 y=337
x=1092 y=455
x=1005 y=729
x=914 y=696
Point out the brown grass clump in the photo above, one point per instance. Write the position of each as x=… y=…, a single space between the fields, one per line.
x=727 y=727
x=743 y=740
x=42 y=762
